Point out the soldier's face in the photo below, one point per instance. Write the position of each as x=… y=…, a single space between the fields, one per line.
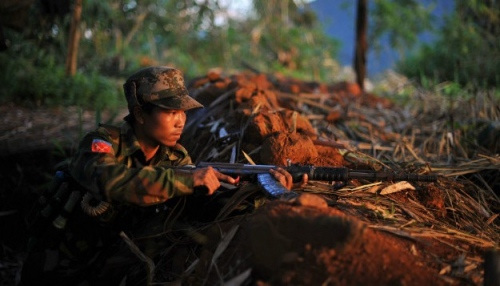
x=164 y=126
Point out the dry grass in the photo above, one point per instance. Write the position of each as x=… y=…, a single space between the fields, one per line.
x=433 y=133
x=420 y=137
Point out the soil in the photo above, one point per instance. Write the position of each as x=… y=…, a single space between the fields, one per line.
x=291 y=244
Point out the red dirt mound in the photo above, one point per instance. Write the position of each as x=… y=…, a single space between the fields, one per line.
x=284 y=243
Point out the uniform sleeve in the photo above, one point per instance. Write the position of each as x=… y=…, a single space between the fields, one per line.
x=96 y=167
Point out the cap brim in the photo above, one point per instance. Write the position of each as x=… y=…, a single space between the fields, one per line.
x=185 y=102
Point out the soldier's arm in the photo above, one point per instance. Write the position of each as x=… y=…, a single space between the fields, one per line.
x=96 y=167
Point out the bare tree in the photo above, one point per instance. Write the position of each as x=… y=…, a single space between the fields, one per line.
x=74 y=39
x=361 y=43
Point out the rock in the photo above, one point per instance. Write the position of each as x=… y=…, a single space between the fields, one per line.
x=311 y=200
x=279 y=147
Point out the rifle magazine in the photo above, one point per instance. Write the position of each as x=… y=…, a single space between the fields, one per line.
x=274 y=188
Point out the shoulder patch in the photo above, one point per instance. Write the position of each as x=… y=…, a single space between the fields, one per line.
x=101 y=146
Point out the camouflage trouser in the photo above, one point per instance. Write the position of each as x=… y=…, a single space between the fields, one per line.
x=109 y=266
x=86 y=256
x=86 y=252
x=93 y=254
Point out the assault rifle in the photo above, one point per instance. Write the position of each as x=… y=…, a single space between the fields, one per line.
x=315 y=173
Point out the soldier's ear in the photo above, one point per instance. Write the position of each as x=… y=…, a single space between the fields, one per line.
x=138 y=114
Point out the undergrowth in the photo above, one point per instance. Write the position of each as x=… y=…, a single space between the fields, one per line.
x=42 y=82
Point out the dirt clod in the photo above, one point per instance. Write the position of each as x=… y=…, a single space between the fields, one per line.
x=311 y=200
x=280 y=147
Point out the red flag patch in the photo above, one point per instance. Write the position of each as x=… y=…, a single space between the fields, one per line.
x=101 y=146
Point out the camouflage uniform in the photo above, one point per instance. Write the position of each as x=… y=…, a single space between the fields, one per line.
x=110 y=162
x=111 y=166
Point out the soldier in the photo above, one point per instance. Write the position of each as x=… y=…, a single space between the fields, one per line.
x=127 y=174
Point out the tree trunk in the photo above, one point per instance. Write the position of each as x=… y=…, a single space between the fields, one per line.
x=74 y=39
x=361 y=44
x=3 y=40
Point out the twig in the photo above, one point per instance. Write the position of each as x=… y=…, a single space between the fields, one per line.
x=150 y=265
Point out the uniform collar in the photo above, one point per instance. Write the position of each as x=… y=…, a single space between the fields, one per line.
x=129 y=141
x=169 y=153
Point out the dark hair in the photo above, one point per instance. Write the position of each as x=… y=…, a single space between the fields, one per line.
x=147 y=107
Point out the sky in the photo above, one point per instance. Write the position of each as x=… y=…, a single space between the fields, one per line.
x=240 y=8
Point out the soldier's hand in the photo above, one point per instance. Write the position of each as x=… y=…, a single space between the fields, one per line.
x=285 y=178
x=210 y=178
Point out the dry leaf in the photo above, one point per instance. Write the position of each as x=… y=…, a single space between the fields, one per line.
x=239 y=279
x=191 y=267
x=413 y=250
x=249 y=159
x=224 y=243
x=403 y=185
x=374 y=189
x=491 y=219
x=445 y=270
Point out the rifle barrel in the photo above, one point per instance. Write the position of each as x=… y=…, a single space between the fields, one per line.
x=389 y=176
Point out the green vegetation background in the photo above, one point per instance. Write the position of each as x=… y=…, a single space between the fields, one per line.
x=119 y=37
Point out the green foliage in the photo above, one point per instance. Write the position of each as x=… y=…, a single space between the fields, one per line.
x=118 y=37
x=34 y=72
x=288 y=38
x=121 y=36
x=186 y=34
x=401 y=21
x=467 y=51
x=43 y=82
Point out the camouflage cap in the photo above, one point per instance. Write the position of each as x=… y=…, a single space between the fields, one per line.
x=161 y=86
